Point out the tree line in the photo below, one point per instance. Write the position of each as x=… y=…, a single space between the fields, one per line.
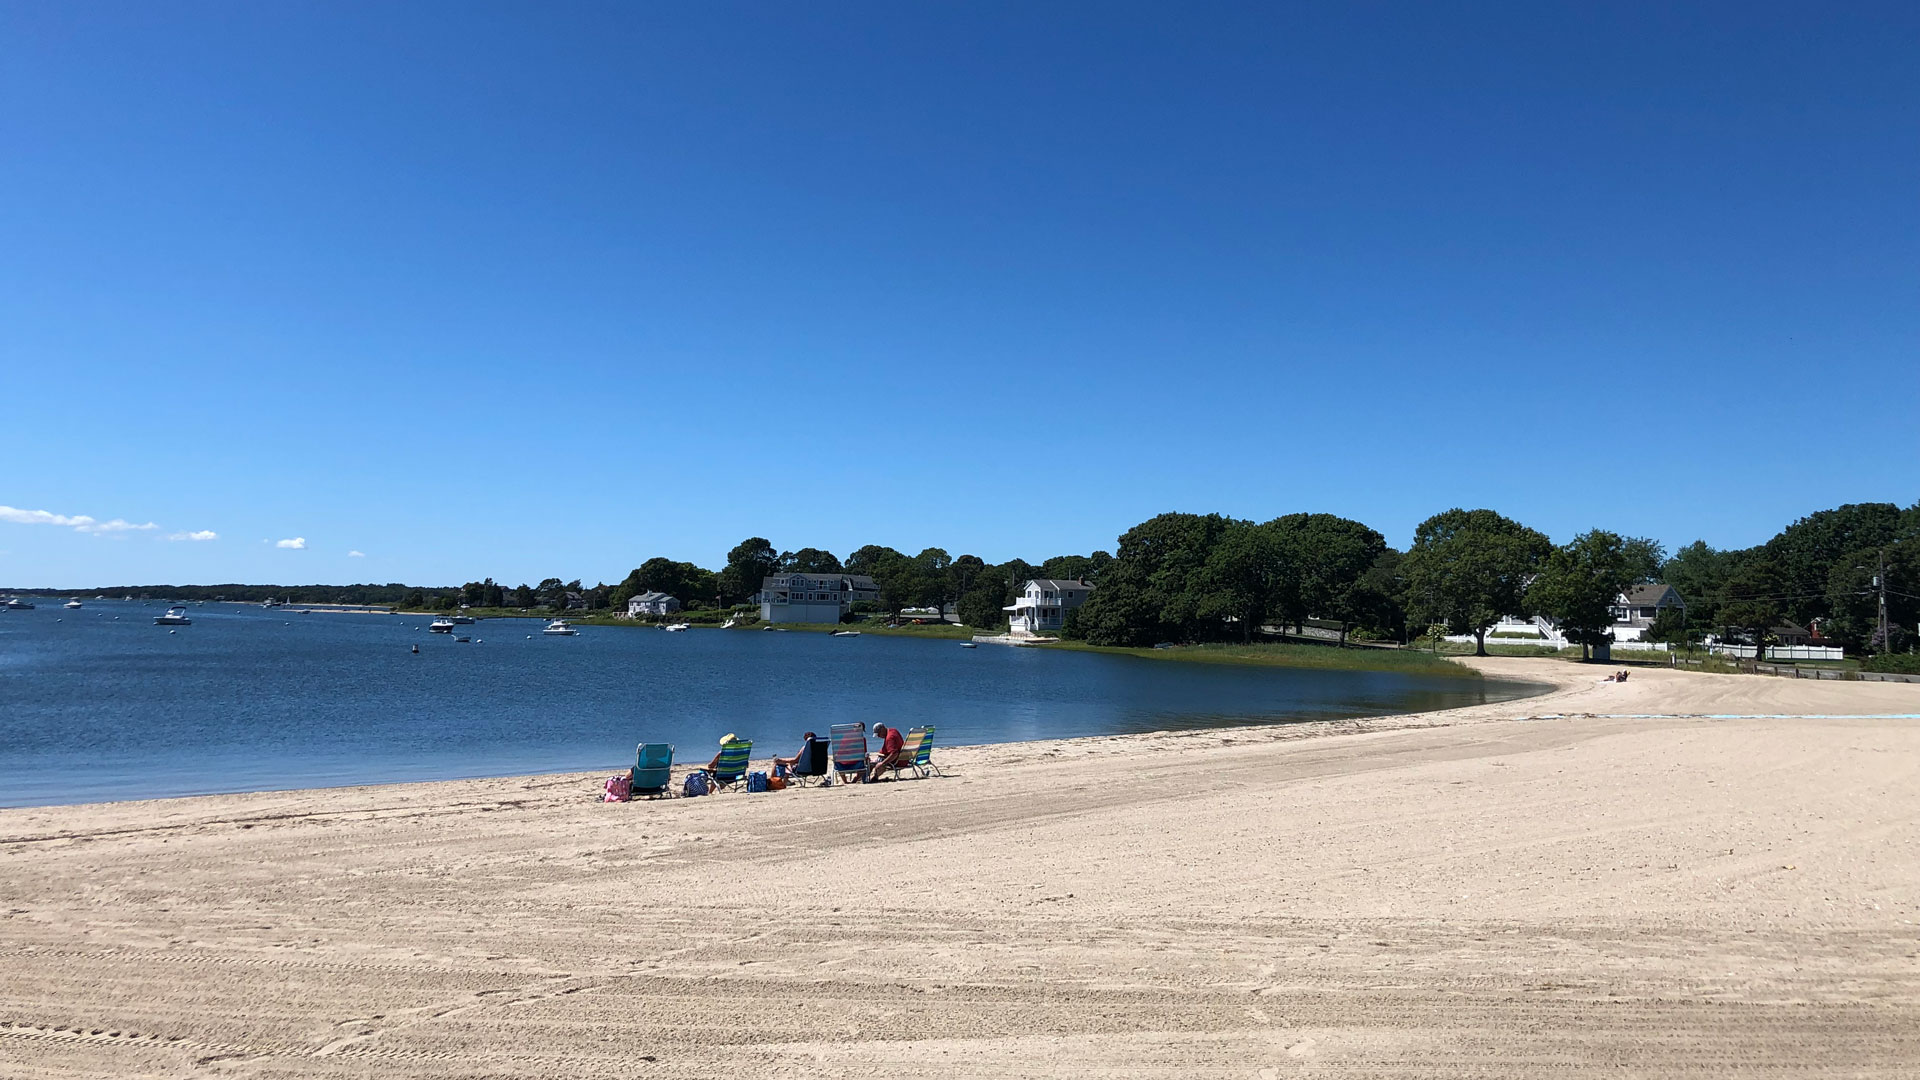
x=1208 y=577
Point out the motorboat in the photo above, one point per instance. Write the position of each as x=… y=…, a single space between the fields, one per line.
x=440 y=626
x=461 y=620
x=72 y=604
x=675 y=627
x=17 y=604
x=175 y=616
x=559 y=628
x=845 y=633
x=969 y=644
x=731 y=621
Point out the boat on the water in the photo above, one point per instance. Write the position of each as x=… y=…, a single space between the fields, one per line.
x=175 y=616
x=17 y=604
x=559 y=628
x=71 y=604
x=440 y=626
x=844 y=633
x=462 y=620
x=675 y=627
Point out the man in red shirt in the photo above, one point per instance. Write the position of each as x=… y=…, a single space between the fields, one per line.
x=891 y=742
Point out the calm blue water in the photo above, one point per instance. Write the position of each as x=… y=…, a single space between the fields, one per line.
x=100 y=704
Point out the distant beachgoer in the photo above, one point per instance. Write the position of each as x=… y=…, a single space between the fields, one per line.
x=790 y=762
x=890 y=743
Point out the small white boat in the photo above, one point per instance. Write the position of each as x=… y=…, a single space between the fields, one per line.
x=844 y=633
x=969 y=644
x=17 y=604
x=731 y=620
x=175 y=616
x=674 y=628
x=462 y=620
x=559 y=628
x=71 y=604
x=440 y=626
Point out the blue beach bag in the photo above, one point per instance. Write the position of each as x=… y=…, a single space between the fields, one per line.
x=696 y=784
x=756 y=781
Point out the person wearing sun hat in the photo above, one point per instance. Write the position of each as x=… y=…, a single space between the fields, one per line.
x=714 y=765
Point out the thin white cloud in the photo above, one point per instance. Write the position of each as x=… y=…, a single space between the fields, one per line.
x=356 y=554
x=298 y=543
x=77 y=522
x=202 y=534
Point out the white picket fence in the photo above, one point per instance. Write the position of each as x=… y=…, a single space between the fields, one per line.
x=1781 y=652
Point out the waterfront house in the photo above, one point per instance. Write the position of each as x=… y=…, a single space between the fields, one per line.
x=806 y=598
x=1635 y=609
x=651 y=605
x=1043 y=604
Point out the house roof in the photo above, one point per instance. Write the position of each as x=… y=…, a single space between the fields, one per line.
x=652 y=597
x=1055 y=583
x=1653 y=595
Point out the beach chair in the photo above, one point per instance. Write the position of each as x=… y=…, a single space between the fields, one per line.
x=923 y=757
x=652 y=774
x=849 y=750
x=812 y=766
x=732 y=766
x=908 y=757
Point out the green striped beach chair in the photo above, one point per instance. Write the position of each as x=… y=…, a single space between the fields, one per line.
x=923 y=756
x=909 y=756
x=732 y=766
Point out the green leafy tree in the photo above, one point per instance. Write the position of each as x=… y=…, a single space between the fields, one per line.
x=932 y=582
x=1700 y=573
x=810 y=561
x=1325 y=557
x=749 y=564
x=1755 y=600
x=868 y=559
x=1580 y=583
x=1157 y=588
x=1373 y=605
x=1806 y=553
x=551 y=593
x=1238 y=580
x=1469 y=567
x=414 y=600
x=522 y=596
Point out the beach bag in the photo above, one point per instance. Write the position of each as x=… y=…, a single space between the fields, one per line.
x=696 y=784
x=780 y=771
x=619 y=788
x=756 y=781
x=777 y=783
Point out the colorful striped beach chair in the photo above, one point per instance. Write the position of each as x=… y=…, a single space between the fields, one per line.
x=652 y=773
x=849 y=749
x=923 y=757
x=731 y=768
x=909 y=755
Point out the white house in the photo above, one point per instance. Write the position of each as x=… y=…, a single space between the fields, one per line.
x=651 y=604
x=1043 y=604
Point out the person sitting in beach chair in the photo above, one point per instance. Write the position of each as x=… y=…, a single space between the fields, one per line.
x=809 y=765
x=849 y=751
x=806 y=747
x=729 y=766
x=892 y=741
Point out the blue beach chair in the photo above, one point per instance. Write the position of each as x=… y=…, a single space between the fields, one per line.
x=652 y=774
x=731 y=768
x=812 y=766
x=849 y=750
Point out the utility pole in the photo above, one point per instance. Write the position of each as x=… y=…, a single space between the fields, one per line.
x=1880 y=582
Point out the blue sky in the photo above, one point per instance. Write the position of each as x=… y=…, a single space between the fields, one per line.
x=524 y=290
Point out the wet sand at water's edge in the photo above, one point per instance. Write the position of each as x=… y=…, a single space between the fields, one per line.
x=1561 y=884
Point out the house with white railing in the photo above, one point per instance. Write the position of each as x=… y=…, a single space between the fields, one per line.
x=1043 y=604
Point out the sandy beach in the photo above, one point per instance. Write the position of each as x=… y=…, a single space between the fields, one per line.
x=1601 y=881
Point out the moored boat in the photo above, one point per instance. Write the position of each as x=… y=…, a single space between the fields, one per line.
x=559 y=628
x=440 y=626
x=175 y=616
x=71 y=604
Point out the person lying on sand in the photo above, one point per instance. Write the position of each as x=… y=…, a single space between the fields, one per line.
x=891 y=742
